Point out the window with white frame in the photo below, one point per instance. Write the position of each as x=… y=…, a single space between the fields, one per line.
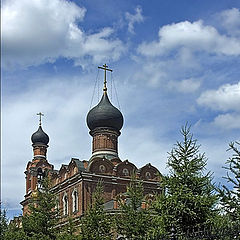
x=75 y=201
x=65 y=204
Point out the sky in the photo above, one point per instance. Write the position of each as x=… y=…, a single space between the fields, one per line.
x=174 y=62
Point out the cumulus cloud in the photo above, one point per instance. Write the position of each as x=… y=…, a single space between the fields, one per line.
x=185 y=86
x=228 y=121
x=230 y=20
x=152 y=73
x=226 y=97
x=174 y=74
x=134 y=18
x=182 y=54
x=35 y=32
x=142 y=154
x=193 y=36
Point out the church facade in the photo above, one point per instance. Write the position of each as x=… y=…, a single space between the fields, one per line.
x=74 y=183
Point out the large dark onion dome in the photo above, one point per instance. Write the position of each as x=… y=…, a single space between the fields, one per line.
x=40 y=137
x=105 y=115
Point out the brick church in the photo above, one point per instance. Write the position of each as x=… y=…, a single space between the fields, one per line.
x=74 y=183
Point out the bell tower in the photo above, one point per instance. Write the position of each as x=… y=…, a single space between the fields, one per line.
x=39 y=166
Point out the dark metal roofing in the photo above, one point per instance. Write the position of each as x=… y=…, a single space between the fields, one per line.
x=40 y=137
x=105 y=115
x=79 y=165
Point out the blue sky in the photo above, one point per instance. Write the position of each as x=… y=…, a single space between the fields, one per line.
x=173 y=62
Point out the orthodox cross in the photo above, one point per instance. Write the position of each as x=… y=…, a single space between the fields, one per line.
x=105 y=68
x=40 y=118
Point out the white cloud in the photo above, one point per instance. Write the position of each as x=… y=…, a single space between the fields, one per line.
x=193 y=36
x=185 y=86
x=230 y=20
x=39 y=31
x=151 y=72
x=228 y=121
x=226 y=97
x=139 y=145
x=134 y=18
x=167 y=74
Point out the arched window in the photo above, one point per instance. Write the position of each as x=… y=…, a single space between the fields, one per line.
x=102 y=168
x=65 y=204
x=39 y=178
x=74 y=201
x=148 y=175
x=125 y=172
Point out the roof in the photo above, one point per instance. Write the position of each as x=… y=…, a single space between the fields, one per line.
x=105 y=115
x=79 y=165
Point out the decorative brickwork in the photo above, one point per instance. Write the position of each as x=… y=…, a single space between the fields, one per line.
x=104 y=139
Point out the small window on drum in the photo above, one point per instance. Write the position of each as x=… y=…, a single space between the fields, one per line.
x=102 y=168
x=125 y=172
x=148 y=175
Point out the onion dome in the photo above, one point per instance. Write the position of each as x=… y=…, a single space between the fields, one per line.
x=40 y=137
x=105 y=115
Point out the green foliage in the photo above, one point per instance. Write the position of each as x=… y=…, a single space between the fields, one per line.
x=96 y=224
x=230 y=196
x=188 y=200
x=15 y=232
x=68 y=232
x=43 y=217
x=3 y=223
x=10 y=231
x=133 y=222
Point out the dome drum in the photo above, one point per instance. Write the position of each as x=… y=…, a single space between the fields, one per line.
x=104 y=130
x=105 y=140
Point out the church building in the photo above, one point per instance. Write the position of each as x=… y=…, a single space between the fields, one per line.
x=74 y=183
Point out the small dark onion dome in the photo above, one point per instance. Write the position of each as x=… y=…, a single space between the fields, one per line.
x=105 y=115
x=40 y=137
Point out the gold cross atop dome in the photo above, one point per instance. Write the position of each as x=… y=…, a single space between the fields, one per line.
x=105 y=68
x=40 y=118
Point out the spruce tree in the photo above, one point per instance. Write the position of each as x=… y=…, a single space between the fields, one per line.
x=10 y=231
x=230 y=195
x=43 y=217
x=70 y=231
x=133 y=222
x=188 y=200
x=3 y=222
x=96 y=224
x=14 y=232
